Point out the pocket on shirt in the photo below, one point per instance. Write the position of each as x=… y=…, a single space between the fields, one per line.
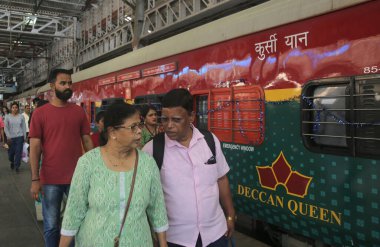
x=208 y=174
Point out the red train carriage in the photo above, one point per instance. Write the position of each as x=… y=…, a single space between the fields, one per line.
x=291 y=90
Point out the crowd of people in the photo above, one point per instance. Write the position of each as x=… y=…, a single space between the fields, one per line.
x=134 y=182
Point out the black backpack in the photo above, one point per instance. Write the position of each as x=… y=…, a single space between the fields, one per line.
x=159 y=147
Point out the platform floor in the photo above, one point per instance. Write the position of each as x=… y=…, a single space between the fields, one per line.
x=18 y=224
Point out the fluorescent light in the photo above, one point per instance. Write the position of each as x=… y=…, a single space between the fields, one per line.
x=30 y=18
x=127 y=18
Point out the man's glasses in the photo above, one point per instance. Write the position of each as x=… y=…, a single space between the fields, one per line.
x=134 y=127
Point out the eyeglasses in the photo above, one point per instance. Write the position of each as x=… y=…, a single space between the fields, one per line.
x=134 y=127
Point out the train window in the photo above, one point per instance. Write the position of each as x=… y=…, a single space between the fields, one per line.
x=236 y=114
x=341 y=116
x=367 y=109
x=329 y=104
x=201 y=109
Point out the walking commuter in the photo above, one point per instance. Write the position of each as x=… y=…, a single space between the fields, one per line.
x=151 y=128
x=37 y=102
x=4 y=113
x=104 y=180
x=2 y=129
x=57 y=131
x=196 y=189
x=99 y=122
x=26 y=115
x=14 y=126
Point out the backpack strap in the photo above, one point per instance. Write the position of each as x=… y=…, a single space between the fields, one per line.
x=159 y=148
x=209 y=139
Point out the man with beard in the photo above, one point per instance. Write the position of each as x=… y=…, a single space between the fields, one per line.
x=57 y=131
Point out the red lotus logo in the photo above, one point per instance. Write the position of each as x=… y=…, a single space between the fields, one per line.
x=280 y=172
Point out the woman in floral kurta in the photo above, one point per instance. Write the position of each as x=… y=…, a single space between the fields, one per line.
x=100 y=190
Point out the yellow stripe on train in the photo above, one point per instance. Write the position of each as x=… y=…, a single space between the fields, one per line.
x=274 y=95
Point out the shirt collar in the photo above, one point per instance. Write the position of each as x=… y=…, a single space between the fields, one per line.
x=194 y=139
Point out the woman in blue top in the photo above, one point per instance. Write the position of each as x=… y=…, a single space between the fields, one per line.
x=15 y=129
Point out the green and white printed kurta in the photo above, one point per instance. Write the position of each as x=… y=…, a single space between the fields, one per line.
x=97 y=201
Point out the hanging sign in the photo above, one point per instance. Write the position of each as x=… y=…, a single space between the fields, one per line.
x=160 y=69
x=106 y=81
x=129 y=76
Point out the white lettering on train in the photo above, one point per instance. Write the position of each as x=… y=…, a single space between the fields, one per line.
x=238 y=147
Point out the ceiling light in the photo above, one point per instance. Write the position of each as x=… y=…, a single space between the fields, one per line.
x=30 y=19
x=127 y=18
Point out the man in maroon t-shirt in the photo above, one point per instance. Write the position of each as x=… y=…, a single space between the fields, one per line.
x=57 y=131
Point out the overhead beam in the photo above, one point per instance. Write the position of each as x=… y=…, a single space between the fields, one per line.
x=25 y=57
x=130 y=4
x=41 y=25
x=4 y=89
x=66 y=2
x=37 y=6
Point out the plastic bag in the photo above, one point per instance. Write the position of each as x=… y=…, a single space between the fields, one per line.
x=25 y=155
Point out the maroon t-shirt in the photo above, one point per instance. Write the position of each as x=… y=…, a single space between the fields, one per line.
x=60 y=130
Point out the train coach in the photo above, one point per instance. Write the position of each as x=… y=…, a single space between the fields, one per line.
x=291 y=88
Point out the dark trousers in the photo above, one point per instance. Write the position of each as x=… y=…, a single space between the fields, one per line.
x=221 y=242
x=15 y=151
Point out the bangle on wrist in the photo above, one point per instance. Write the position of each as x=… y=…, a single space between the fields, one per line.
x=37 y=179
x=230 y=218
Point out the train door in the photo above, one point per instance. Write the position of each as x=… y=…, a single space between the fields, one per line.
x=236 y=115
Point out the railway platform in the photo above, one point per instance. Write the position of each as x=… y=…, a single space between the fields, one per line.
x=19 y=226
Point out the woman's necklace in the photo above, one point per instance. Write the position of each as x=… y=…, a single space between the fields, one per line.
x=111 y=161
x=152 y=133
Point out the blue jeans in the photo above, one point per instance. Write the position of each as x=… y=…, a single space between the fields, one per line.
x=221 y=242
x=15 y=151
x=51 y=211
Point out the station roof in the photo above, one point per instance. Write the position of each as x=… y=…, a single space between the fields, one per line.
x=28 y=28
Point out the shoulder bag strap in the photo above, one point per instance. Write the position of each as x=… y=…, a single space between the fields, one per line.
x=209 y=140
x=159 y=149
x=116 y=240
